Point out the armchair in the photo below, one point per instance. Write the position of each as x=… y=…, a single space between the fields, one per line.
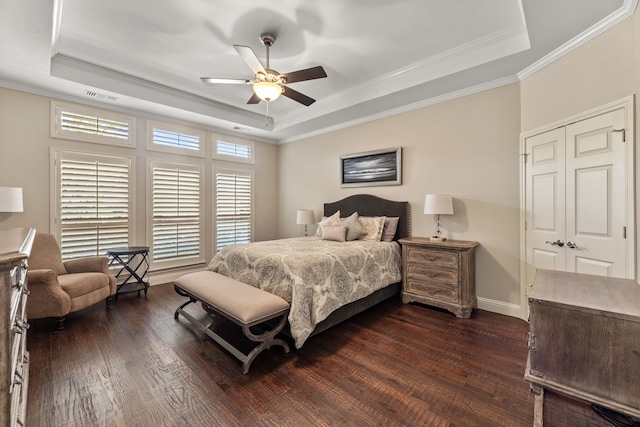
x=58 y=288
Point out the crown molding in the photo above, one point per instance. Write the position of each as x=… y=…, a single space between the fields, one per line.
x=627 y=10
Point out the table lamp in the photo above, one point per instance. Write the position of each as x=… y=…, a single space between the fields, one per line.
x=306 y=217
x=438 y=204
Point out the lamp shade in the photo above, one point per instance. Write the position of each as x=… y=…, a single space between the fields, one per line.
x=438 y=204
x=267 y=91
x=11 y=199
x=305 y=216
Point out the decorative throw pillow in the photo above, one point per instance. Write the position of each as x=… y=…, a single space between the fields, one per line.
x=330 y=220
x=390 y=227
x=334 y=232
x=373 y=226
x=354 y=228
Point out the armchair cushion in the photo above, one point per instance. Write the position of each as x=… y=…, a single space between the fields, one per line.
x=79 y=284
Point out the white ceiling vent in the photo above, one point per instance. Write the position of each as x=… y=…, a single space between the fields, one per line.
x=100 y=96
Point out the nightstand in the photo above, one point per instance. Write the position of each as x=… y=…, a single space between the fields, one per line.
x=441 y=274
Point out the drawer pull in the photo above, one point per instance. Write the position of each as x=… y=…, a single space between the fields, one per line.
x=433 y=291
x=431 y=257
x=433 y=274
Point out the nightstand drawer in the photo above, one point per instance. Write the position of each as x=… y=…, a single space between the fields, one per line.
x=426 y=256
x=432 y=290
x=437 y=274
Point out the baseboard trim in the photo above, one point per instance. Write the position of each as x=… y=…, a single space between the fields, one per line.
x=500 y=307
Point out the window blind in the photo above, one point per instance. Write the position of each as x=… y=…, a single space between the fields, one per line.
x=176 y=139
x=242 y=151
x=93 y=206
x=176 y=214
x=93 y=125
x=233 y=207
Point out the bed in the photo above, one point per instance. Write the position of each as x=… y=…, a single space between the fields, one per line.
x=325 y=281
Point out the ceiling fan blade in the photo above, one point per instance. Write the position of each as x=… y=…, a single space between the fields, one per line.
x=297 y=96
x=250 y=58
x=255 y=99
x=213 y=80
x=306 y=74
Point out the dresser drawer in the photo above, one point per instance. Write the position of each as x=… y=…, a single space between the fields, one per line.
x=435 y=257
x=432 y=290
x=437 y=274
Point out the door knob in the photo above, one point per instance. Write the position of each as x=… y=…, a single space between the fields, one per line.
x=559 y=243
x=572 y=245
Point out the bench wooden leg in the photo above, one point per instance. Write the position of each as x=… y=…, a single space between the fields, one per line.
x=266 y=340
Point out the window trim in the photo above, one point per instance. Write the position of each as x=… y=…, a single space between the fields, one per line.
x=171 y=127
x=168 y=264
x=56 y=131
x=233 y=140
x=58 y=154
x=214 y=191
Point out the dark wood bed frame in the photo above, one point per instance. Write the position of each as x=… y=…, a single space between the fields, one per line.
x=367 y=205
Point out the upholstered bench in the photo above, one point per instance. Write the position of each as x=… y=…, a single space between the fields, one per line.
x=242 y=304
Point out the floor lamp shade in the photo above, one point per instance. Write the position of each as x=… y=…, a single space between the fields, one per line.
x=11 y=199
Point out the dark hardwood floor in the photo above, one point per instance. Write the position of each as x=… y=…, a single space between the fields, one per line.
x=395 y=364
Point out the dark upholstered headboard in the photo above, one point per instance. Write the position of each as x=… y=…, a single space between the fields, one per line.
x=368 y=205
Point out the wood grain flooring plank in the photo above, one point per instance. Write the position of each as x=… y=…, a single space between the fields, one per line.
x=393 y=365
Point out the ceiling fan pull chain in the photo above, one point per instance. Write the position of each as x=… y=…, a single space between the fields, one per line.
x=266 y=119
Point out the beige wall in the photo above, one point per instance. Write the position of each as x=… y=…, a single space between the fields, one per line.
x=25 y=162
x=603 y=70
x=467 y=147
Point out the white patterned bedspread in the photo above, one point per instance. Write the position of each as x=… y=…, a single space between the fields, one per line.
x=315 y=276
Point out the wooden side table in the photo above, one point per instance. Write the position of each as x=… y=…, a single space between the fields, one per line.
x=441 y=274
x=134 y=263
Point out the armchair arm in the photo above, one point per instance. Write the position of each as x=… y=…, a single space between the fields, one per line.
x=46 y=296
x=84 y=265
x=99 y=264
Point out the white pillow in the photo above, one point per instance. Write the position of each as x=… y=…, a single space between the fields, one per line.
x=355 y=230
x=373 y=227
x=334 y=232
x=332 y=220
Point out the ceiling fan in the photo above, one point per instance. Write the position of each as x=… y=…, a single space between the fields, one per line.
x=268 y=84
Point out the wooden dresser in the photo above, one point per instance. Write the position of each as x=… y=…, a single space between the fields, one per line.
x=584 y=340
x=15 y=247
x=441 y=274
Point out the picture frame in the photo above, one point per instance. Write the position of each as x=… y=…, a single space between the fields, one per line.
x=372 y=168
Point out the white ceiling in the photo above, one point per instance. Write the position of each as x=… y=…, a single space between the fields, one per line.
x=381 y=56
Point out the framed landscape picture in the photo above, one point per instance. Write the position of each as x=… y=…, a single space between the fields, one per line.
x=372 y=168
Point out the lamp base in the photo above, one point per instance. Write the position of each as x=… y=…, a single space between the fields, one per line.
x=437 y=239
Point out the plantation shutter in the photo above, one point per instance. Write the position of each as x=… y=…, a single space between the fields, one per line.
x=176 y=214
x=176 y=139
x=93 y=205
x=232 y=149
x=93 y=125
x=233 y=207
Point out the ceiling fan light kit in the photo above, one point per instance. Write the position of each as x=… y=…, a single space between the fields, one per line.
x=268 y=84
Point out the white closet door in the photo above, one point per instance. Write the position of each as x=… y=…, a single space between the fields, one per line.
x=596 y=196
x=576 y=198
x=545 y=202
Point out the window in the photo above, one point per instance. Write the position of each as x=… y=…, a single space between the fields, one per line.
x=233 y=149
x=174 y=139
x=233 y=211
x=82 y=123
x=176 y=228
x=92 y=203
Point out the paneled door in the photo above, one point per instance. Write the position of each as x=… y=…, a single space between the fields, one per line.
x=576 y=198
